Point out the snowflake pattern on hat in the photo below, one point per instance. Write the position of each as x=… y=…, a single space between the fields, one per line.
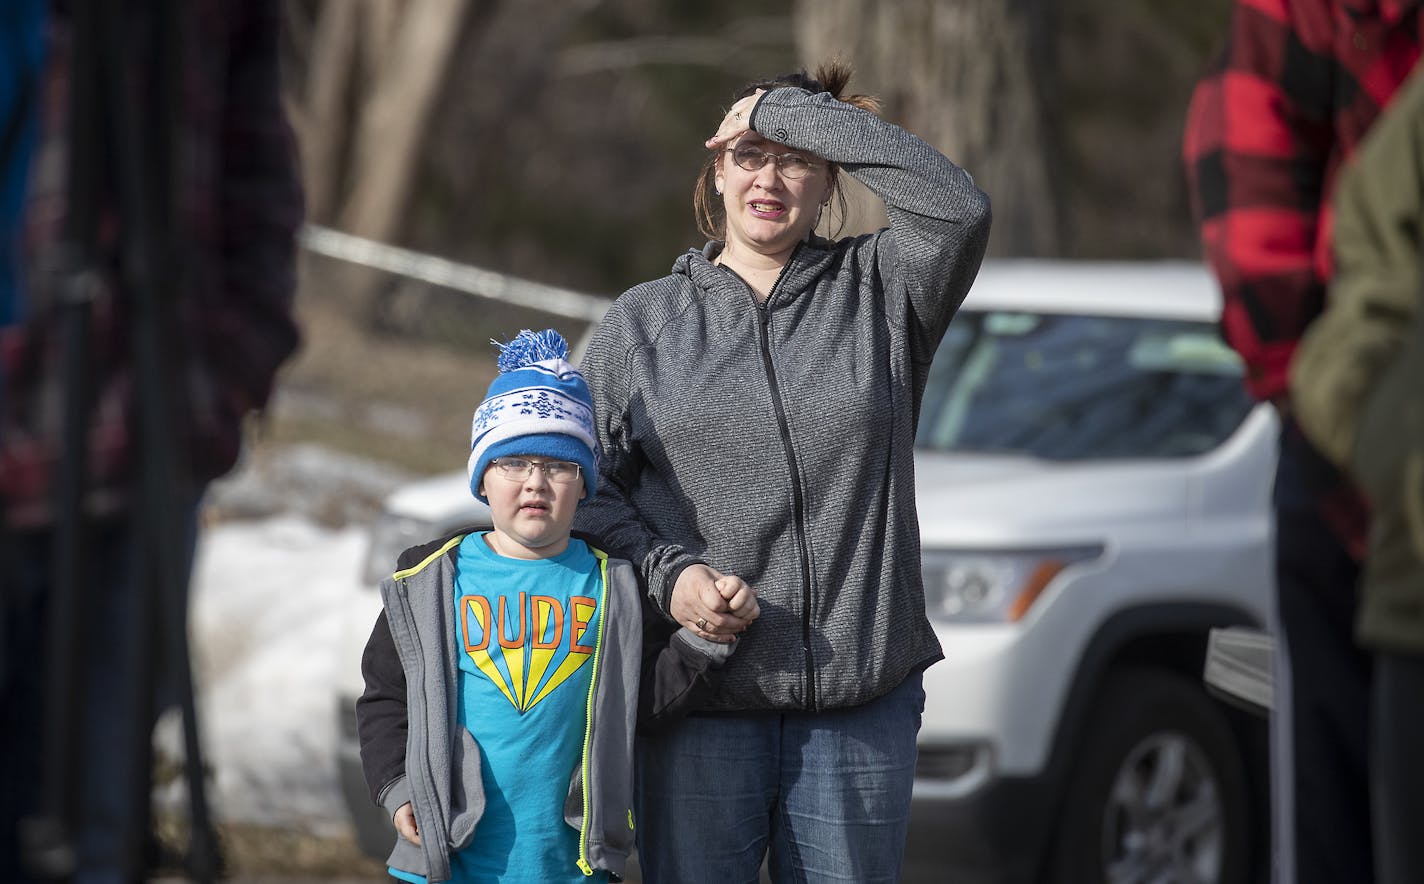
x=538 y=404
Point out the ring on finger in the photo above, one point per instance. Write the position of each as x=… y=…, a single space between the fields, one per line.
x=702 y=624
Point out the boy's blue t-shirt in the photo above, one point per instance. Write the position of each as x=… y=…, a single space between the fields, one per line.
x=525 y=631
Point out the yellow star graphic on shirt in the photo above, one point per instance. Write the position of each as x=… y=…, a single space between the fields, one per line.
x=556 y=640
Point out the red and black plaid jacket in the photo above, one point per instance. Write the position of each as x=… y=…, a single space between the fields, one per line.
x=1295 y=89
x=239 y=204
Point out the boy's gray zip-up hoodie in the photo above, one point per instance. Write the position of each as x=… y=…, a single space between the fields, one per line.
x=775 y=441
x=441 y=760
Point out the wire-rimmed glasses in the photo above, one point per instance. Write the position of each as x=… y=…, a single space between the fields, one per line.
x=517 y=469
x=791 y=165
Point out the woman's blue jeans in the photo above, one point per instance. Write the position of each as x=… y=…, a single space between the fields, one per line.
x=826 y=794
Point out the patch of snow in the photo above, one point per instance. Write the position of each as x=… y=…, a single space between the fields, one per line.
x=267 y=597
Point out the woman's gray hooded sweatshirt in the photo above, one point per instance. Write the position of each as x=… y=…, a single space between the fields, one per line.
x=775 y=442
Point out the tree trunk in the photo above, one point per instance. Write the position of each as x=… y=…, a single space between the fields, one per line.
x=960 y=74
x=396 y=115
x=322 y=117
x=375 y=73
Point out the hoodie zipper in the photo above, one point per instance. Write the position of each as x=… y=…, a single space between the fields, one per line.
x=583 y=863
x=798 y=502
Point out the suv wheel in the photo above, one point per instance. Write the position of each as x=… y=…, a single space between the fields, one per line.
x=1158 y=791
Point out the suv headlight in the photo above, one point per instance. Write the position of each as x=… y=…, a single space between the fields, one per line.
x=390 y=536
x=975 y=586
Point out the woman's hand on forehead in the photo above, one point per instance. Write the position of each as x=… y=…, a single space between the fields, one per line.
x=736 y=122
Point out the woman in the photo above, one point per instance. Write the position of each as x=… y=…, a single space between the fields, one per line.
x=757 y=412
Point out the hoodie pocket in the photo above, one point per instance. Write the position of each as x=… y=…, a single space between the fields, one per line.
x=467 y=792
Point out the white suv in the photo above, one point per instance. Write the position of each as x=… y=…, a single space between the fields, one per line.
x=1093 y=493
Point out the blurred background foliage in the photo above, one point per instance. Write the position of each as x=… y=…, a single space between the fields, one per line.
x=558 y=140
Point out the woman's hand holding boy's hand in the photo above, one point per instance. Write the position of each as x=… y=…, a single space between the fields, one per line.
x=740 y=597
x=716 y=606
x=405 y=823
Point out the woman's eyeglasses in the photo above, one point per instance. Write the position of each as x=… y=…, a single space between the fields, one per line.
x=517 y=469
x=790 y=165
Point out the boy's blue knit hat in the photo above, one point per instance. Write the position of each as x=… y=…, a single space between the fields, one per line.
x=537 y=404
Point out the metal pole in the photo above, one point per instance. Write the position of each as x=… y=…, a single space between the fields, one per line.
x=146 y=174
x=71 y=271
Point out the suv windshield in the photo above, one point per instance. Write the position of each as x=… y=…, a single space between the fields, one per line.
x=1072 y=387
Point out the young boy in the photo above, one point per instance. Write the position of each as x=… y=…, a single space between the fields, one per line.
x=502 y=678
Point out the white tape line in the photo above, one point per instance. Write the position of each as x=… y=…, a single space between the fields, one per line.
x=460 y=277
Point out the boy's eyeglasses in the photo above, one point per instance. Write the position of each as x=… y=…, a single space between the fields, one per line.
x=790 y=165
x=517 y=469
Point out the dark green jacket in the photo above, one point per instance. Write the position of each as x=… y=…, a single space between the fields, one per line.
x=1357 y=381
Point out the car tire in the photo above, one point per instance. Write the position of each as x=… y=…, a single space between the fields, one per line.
x=1158 y=790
